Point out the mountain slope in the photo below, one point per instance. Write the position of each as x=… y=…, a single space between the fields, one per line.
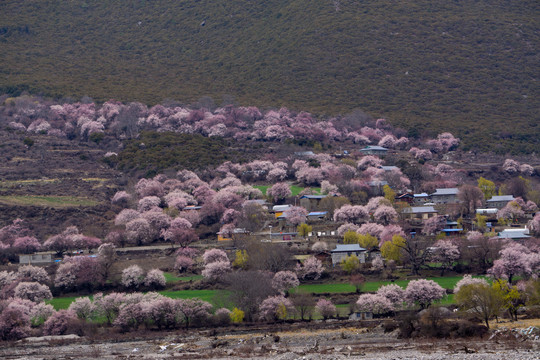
x=466 y=67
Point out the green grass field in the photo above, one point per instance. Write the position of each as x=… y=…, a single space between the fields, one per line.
x=47 y=201
x=371 y=286
x=295 y=189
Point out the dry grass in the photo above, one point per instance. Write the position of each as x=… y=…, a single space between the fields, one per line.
x=47 y=201
x=520 y=324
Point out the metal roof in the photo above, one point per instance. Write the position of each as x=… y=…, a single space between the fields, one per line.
x=317 y=213
x=445 y=191
x=501 y=198
x=348 y=248
x=514 y=234
x=374 y=147
x=419 y=209
x=281 y=207
x=318 y=197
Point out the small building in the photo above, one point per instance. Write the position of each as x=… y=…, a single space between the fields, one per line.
x=317 y=215
x=499 y=201
x=37 y=258
x=265 y=205
x=229 y=236
x=445 y=196
x=514 y=234
x=311 y=202
x=451 y=231
x=192 y=208
x=377 y=187
x=280 y=209
x=419 y=212
x=406 y=198
x=389 y=168
x=304 y=154
x=487 y=212
x=421 y=198
x=374 y=150
x=361 y=315
x=343 y=250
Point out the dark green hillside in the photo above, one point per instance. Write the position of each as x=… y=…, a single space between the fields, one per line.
x=158 y=151
x=470 y=67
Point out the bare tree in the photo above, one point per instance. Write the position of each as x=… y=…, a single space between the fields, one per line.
x=304 y=303
x=249 y=289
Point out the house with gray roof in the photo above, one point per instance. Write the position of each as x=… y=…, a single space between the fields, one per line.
x=514 y=234
x=374 y=150
x=419 y=212
x=343 y=250
x=499 y=201
x=445 y=196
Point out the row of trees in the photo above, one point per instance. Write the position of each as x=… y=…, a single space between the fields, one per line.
x=86 y=119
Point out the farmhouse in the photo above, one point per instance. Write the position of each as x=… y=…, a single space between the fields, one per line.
x=280 y=209
x=514 y=234
x=374 y=150
x=317 y=215
x=343 y=250
x=421 y=198
x=499 y=201
x=311 y=202
x=445 y=196
x=419 y=212
x=37 y=258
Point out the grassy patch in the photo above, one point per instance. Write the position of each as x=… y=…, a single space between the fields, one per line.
x=47 y=201
x=295 y=190
x=371 y=286
x=62 y=302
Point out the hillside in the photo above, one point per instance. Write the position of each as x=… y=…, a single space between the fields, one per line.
x=466 y=67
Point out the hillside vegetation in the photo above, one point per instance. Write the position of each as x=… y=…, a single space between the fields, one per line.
x=465 y=67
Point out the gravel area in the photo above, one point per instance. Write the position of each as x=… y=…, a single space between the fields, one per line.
x=340 y=343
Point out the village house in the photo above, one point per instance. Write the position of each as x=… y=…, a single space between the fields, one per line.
x=374 y=150
x=407 y=198
x=445 y=196
x=514 y=234
x=452 y=228
x=311 y=202
x=499 y=201
x=419 y=212
x=278 y=210
x=343 y=250
x=317 y=215
x=377 y=187
x=37 y=258
x=420 y=199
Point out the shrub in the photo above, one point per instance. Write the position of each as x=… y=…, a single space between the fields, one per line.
x=60 y=323
x=33 y=291
x=155 y=279
x=325 y=308
x=237 y=315
x=132 y=277
x=14 y=324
